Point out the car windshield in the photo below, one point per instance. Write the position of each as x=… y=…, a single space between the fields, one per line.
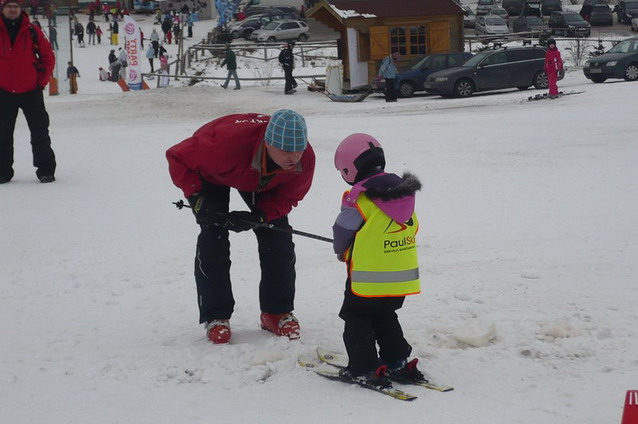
x=484 y=2
x=535 y=21
x=573 y=18
x=602 y=9
x=420 y=64
x=272 y=25
x=475 y=60
x=626 y=46
x=494 y=21
x=631 y=5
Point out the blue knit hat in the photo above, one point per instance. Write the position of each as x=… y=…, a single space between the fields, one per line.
x=287 y=131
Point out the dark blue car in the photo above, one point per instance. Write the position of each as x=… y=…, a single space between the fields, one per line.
x=412 y=80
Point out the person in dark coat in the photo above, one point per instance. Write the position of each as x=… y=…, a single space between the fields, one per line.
x=91 y=29
x=21 y=85
x=269 y=161
x=230 y=61
x=167 y=25
x=287 y=61
x=112 y=57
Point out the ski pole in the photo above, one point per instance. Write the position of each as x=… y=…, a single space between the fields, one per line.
x=180 y=205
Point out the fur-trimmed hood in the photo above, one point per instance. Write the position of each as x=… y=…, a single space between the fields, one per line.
x=394 y=195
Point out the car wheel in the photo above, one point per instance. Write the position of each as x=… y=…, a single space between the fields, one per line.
x=598 y=79
x=540 y=80
x=235 y=34
x=271 y=39
x=464 y=88
x=406 y=89
x=631 y=73
x=303 y=37
x=523 y=87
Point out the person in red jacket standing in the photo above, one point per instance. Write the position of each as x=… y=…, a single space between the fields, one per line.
x=553 y=67
x=268 y=160
x=26 y=64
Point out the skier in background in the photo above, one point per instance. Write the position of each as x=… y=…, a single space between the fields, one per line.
x=553 y=67
x=374 y=234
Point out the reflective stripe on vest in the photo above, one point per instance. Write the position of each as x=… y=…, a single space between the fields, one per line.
x=384 y=260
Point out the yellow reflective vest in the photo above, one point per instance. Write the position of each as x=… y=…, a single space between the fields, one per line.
x=384 y=260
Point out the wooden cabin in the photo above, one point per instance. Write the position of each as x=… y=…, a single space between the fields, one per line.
x=371 y=29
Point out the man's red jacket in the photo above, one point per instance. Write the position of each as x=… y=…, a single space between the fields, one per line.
x=19 y=69
x=230 y=151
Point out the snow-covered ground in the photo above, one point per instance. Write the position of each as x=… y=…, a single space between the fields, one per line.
x=527 y=245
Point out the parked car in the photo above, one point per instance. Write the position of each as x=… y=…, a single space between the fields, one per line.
x=271 y=10
x=513 y=7
x=484 y=6
x=499 y=11
x=412 y=80
x=550 y=6
x=519 y=67
x=626 y=11
x=601 y=15
x=469 y=20
x=246 y=27
x=621 y=61
x=288 y=29
x=530 y=24
x=532 y=8
x=569 y=24
x=491 y=24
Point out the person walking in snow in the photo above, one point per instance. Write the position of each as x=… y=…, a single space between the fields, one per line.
x=91 y=29
x=553 y=67
x=230 y=61
x=25 y=69
x=388 y=71
x=98 y=34
x=167 y=25
x=287 y=62
x=269 y=161
x=123 y=60
x=72 y=75
x=150 y=54
x=374 y=234
x=155 y=41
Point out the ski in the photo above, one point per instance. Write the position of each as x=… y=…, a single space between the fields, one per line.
x=546 y=96
x=333 y=374
x=340 y=361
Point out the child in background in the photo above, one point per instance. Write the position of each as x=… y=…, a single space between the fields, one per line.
x=72 y=74
x=553 y=67
x=375 y=235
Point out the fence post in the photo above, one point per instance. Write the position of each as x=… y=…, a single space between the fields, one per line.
x=303 y=58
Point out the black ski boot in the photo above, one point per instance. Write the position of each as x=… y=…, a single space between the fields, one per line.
x=375 y=378
x=407 y=373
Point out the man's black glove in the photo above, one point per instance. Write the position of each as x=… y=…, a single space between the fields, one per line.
x=203 y=211
x=239 y=221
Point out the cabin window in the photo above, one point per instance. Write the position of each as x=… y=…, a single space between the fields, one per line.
x=408 y=40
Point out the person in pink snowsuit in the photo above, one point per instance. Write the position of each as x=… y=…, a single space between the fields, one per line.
x=553 y=67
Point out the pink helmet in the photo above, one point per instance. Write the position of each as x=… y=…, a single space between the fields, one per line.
x=357 y=155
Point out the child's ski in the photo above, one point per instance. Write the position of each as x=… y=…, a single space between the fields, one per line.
x=333 y=374
x=340 y=361
x=546 y=96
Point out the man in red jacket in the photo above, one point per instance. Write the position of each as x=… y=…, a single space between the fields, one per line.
x=26 y=64
x=268 y=160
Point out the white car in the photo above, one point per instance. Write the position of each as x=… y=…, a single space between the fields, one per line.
x=491 y=24
x=282 y=30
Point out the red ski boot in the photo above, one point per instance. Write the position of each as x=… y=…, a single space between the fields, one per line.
x=218 y=331
x=285 y=325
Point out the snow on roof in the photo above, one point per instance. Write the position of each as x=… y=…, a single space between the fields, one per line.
x=345 y=14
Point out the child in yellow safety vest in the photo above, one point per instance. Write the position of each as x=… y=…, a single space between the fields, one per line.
x=375 y=235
